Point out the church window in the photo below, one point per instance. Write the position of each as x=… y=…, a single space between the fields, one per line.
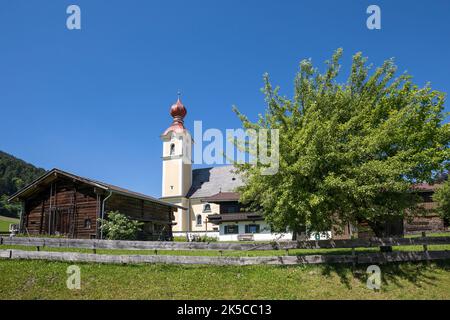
x=199 y=220
x=172 y=149
x=207 y=207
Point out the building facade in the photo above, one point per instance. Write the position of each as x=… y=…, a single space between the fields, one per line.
x=207 y=195
x=63 y=204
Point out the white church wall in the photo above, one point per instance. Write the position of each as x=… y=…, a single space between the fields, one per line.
x=265 y=233
x=184 y=234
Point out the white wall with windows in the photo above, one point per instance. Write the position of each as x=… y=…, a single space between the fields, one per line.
x=259 y=229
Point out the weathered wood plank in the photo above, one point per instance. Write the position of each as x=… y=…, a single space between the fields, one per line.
x=376 y=258
x=5 y=253
x=168 y=245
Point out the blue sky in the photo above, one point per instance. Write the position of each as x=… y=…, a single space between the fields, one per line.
x=94 y=101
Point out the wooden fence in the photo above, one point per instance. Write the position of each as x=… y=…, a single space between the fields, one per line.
x=170 y=245
x=354 y=258
x=365 y=258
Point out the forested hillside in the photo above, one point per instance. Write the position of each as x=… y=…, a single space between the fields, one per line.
x=14 y=174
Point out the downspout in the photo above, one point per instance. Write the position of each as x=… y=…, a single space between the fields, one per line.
x=50 y=211
x=188 y=219
x=22 y=212
x=103 y=213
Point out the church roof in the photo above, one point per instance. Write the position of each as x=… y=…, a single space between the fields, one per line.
x=207 y=182
x=223 y=197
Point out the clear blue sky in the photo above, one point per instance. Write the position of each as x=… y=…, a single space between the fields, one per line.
x=94 y=101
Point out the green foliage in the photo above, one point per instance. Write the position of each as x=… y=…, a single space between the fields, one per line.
x=348 y=151
x=118 y=227
x=5 y=222
x=442 y=197
x=208 y=239
x=14 y=175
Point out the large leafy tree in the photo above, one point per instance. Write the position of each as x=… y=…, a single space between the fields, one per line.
x=349 y=150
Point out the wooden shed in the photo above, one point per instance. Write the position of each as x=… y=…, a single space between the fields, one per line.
x=61 y=203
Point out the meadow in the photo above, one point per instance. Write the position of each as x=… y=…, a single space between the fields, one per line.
x=26 y=279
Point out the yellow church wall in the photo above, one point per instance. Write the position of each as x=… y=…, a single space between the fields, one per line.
x=197 y=209
x=171 y=178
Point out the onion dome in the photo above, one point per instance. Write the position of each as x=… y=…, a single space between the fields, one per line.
x=178 y=112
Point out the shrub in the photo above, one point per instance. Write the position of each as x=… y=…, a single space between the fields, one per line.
x=118 y=227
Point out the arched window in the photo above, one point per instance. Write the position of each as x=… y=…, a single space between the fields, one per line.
x=207 y=207
x=199 y=220
x=172 y=149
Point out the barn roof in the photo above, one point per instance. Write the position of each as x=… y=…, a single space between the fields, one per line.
x=210 y=181
x=54 y=173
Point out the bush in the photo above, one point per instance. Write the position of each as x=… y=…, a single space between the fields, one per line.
x=208 y=239
x=118 y=227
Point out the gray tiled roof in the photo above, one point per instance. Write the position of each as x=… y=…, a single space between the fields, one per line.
x=210 y=181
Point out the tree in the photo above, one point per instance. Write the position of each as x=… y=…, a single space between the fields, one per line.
x=118 y=227
x=442 y=197
x=14 y=175
x=348 y=151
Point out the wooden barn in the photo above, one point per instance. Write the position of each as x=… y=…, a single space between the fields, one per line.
x=61 y=203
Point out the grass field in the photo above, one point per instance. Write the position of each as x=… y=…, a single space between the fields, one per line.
x=22 y=279
x=5 y=222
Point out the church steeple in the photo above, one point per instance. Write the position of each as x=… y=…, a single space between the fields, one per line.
x=177 y=154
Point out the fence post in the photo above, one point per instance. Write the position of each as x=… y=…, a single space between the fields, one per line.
x=353 y=258
x=425 y=246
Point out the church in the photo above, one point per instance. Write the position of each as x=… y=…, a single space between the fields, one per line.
x=208 y=204
x=206 y=198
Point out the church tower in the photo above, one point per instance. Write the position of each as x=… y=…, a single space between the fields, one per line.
x=177 y=155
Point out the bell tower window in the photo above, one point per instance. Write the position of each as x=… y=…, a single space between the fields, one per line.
x=172 y=149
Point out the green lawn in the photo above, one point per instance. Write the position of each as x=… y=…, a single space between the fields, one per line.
x=5 y=222
x=23 y=279
x=436 y=234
